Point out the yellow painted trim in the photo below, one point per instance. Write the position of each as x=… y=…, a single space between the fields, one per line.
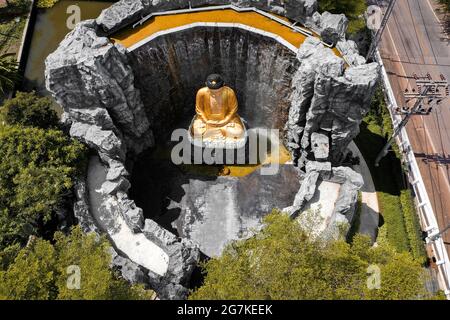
x=156 y=24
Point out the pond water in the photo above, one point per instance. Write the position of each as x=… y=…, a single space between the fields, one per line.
x=50 y=29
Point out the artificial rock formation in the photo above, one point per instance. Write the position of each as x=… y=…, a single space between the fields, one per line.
x=100 y=86
x=327 y=97
x=125 y=12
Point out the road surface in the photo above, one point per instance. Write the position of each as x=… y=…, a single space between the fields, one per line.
x=415 y=42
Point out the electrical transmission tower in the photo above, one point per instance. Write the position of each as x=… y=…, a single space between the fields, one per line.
x=429 y=93
x=377 y=38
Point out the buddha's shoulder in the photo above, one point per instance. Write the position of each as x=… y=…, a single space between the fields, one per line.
x=202 y=91
x=228 y=89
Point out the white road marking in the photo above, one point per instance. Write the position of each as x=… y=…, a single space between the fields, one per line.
x=432 y=10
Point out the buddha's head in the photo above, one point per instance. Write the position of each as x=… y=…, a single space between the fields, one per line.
x=215 y=82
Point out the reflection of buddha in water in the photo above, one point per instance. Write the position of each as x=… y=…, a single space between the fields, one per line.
x=216 y=108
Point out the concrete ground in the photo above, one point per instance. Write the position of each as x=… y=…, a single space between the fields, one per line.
x=370 y=212
x=213 y=212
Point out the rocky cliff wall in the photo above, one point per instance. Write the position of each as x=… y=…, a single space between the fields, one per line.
x=327 y=98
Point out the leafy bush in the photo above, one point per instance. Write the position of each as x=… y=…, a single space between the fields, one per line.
x=446 y=3
x=28 y=109
x=283 y=262
x=40 y=271
x=17 y=7
x=413 y=227
x=36 y=171
x=46 y=3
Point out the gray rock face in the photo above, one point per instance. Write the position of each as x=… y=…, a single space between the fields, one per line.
x=129 y=270
x=125 y=12
x=133 y=215
x=305 y=194
x=350 y=51
x=88 y=72
x=323 y=168
x=331 y=27
x=183 y=257
x=351 y=182
x=81 y=207
x=105 y=141
x=110 y=209
x=320 y=146
x=327 y=98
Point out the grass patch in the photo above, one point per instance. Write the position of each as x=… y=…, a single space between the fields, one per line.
x=412 y=227
x=399 y=224
x=356 y=219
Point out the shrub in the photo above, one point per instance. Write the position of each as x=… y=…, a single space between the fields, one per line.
x=283 y=262
x=413 y=227
x=46 y=3
x=28 y=109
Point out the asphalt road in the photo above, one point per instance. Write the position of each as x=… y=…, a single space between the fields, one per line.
x=415 y=42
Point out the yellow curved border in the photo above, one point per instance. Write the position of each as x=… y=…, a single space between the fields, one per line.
x=130 y=37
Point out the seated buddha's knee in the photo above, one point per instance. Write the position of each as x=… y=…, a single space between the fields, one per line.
x=234 y=130
x=198 y=128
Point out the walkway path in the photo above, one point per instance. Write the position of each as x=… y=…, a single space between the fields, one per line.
x=370 y=212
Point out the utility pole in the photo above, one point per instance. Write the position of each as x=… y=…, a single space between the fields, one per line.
x=436 y=236
x=377 y=37
x=433 y=91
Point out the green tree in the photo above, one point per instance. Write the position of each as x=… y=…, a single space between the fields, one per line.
x=283 y=262
x=8 y=72
x=36 y=171
x=446 y=3
x=28 y=109
x=31 y=275
x=40 y=271
x=46 y=3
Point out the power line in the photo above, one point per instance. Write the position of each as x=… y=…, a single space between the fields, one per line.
x=433 y=93
x=379 y=33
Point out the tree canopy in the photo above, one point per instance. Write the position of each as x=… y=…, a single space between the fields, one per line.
x=284 y=262
x=28 y=109
x=42 y=271
x=36 y=171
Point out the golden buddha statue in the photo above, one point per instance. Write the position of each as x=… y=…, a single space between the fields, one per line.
x=216 y=108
